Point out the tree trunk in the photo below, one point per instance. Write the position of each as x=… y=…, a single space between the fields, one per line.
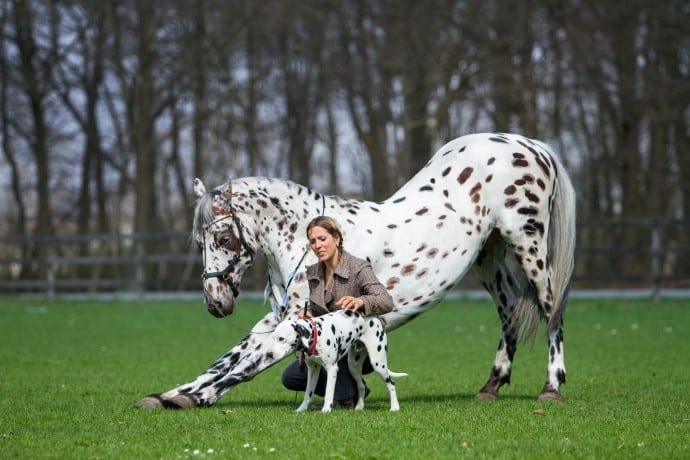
x=36 y=93
x=142 y=122
x=417 y=138
x=199 y=90
x=19 y=226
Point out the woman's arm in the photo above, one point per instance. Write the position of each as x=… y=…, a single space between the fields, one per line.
x=374 y=296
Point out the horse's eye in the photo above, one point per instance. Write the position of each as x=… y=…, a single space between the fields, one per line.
x=223 y=240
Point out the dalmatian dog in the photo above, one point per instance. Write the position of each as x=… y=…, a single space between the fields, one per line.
x=327 y=339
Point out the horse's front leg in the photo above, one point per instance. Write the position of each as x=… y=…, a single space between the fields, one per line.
x=242 y=363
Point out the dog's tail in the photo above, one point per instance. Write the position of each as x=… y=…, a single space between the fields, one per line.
x=396 y=374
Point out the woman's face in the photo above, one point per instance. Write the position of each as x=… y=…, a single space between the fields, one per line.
x=324 y=245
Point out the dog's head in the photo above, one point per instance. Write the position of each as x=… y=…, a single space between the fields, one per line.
x=292 y=335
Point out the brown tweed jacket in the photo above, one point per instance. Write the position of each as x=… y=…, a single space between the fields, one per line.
x=353 y=276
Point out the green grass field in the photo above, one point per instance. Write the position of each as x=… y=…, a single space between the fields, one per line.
x=71 y=371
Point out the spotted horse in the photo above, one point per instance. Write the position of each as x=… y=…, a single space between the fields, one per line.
x=501 y=204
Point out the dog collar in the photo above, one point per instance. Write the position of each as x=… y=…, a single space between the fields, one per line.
x=314 y=337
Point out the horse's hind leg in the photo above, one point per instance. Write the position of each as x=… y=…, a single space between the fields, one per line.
x=497 y=279
x=531 y=254
x=555 y=374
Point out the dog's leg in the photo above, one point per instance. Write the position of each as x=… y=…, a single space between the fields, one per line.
x=313 y=369
x=384 y=372
x=395 y=406
x=331 y=375
x=355 y=360
x=376 y=342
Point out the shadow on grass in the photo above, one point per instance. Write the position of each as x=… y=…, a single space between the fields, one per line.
x=457 y=397
x=376 y=400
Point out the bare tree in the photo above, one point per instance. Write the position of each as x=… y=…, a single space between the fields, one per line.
x=368 y=87
x=143 y=58
x=79 y=78
x=300 y=39
x=145 y=69
x=34 y=68
x=18 y=223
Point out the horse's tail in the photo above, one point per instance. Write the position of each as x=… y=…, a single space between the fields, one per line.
x=561 y=243
x=560 y=259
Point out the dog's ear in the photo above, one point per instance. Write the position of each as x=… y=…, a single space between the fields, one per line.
x=303 y=331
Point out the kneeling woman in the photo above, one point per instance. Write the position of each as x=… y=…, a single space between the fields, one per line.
x=337 y=281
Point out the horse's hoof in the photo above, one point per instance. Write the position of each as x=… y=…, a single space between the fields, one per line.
x=484 y=396
x=150 y=402
x=550 y=395
x=180 y=401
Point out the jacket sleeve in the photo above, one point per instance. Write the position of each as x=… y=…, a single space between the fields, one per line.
x=376 y=298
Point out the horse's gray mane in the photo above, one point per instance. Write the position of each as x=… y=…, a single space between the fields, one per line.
x=203 y=215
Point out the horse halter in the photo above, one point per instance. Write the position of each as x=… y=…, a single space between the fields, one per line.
x=240 y=234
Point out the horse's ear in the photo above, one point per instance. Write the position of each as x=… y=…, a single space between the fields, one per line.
x=199 y=188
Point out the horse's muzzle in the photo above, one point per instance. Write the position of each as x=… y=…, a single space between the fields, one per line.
x=220 y=296
x=222 y=306
x=220 y=309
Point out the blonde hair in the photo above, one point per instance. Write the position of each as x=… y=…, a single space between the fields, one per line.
x=330 y=225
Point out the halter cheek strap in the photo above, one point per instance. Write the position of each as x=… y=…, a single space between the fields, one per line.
x=240 y=234
x=220 y=274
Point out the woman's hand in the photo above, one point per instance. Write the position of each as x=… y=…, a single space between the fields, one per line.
x=350 y=303
x=304 y=313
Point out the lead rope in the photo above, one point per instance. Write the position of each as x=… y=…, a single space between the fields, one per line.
x=291 y=276
x=314 y=331
x=283 y=307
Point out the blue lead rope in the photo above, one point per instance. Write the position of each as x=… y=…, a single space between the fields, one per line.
x=283 y=306
x=291 y=276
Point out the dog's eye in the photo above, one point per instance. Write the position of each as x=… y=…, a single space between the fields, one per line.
x=281 y=339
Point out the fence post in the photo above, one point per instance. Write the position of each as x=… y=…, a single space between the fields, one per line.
x=140 y=272
x=50 y=268
x=657 y=255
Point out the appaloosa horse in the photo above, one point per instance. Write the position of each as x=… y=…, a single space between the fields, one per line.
x=500 y=203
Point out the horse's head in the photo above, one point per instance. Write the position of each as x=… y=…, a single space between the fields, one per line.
x=225 y=244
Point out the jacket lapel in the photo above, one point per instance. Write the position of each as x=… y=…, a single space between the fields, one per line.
x=315 y=277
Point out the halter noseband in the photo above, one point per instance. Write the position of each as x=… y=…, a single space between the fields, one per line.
x=240 y=234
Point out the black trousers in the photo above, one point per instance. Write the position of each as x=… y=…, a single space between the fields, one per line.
x=295 y=378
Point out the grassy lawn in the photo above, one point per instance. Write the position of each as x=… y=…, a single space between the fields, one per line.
x=71 y=371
